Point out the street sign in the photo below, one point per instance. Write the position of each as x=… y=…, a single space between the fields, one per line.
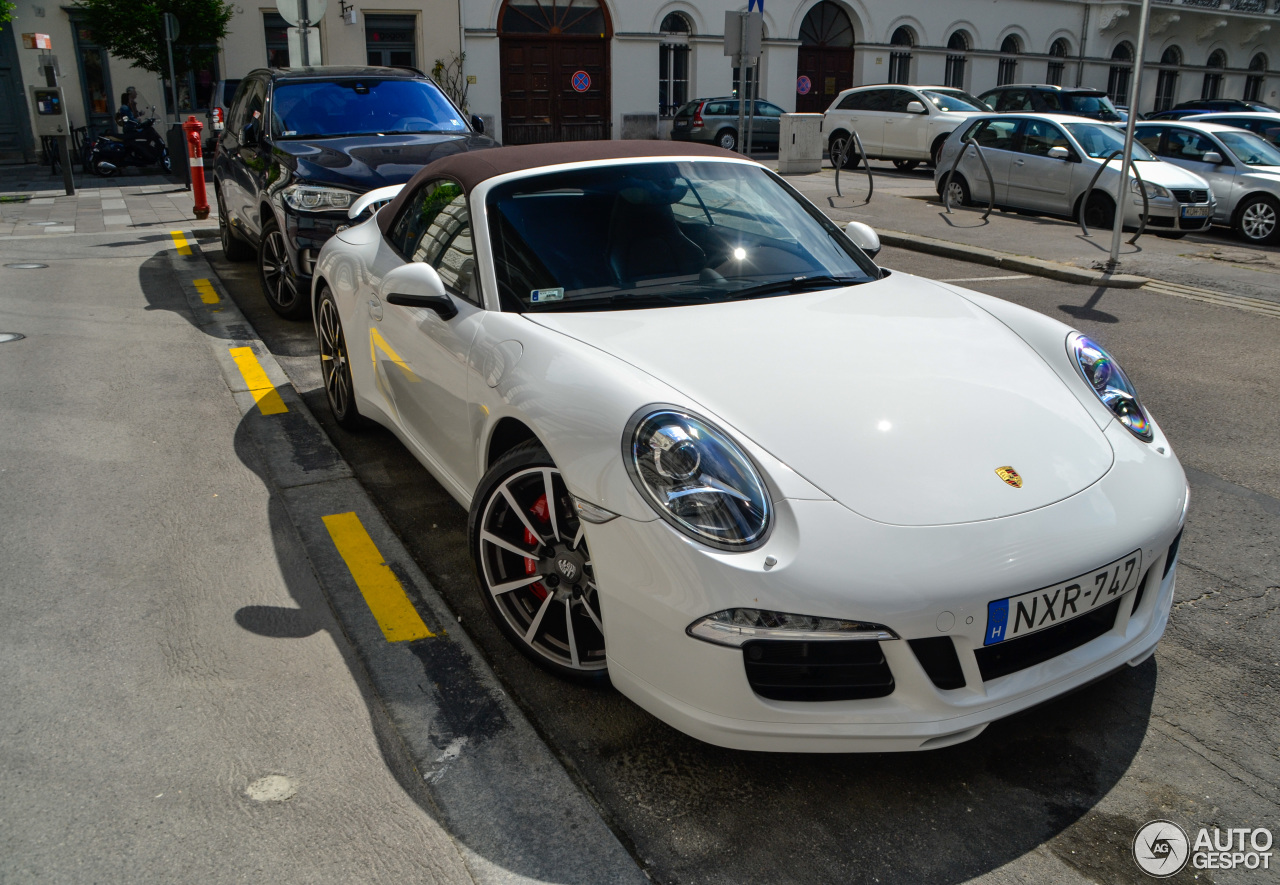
x=752 y=4
x=172 y=30
x=292 y=10
x=581 y=81
x=743 y=41
x=803 y=85
x=37 y=41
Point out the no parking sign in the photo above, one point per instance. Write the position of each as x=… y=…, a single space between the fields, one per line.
x=803 y=85
x=581 y=81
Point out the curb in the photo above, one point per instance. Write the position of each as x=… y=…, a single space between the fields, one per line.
x=1007 y=261
x=494 y=783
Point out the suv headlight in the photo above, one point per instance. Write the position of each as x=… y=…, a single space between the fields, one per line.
x=311 y=198
x=1154 y=191
x=697 y=479
x=1110 y=383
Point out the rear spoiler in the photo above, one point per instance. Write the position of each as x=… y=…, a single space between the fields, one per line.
x=377 y=198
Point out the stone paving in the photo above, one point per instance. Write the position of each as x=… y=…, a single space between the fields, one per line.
x=32 y=201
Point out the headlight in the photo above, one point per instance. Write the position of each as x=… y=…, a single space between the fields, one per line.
x=1154 y=191
x=697 y=479
x=309 y=198
x=1110 y=383
x=736 y=626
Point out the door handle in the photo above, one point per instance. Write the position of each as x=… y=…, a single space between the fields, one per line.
x=375 y=308
x=1019 y=162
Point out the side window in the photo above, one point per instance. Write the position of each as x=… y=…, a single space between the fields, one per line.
x=856 y=101
x=1149 y=138
x=997 y=135
x=1039 y=135
x=249 y=98
x=1052 y=101
x=1015 y=100
x=435 y=227
x=877 y=99
x=898 y=100
x=764 y=109
x=1185 y=144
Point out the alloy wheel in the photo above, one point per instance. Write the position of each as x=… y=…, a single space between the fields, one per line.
x=335 y=368
x=1258 y=220
x=535 y=566
x=277 y=276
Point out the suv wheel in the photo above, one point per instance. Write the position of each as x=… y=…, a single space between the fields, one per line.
x=279 y=282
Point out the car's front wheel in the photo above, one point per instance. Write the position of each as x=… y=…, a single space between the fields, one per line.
x=279 y=283
x=335 y=363
x=1258 y=220
x=533 y=568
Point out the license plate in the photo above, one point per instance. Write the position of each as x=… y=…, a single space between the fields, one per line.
x=682 y=124
x=1040 y=609
x=1195 y=211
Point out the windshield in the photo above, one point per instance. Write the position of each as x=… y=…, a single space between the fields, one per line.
x=327 y=109
x=661 y=233
x=955 y=100
x=1250 y=149
x=1101 y=141
x=1090 y=104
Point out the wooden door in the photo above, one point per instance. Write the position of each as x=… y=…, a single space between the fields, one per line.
x=829 y=69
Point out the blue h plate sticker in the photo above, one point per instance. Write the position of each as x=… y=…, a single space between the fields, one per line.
x=538 y=296
x=997 y=620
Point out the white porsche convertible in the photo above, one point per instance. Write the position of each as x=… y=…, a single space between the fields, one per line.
x=781 y=498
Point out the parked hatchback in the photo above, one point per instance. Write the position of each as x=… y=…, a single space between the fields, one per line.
x=906 y=124
x=301 y=145
x=1242 y=169
x=1046 y=99
x=715 y=121
x=1045 y=163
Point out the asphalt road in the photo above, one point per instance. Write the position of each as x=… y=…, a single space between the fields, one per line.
x=1054 y=795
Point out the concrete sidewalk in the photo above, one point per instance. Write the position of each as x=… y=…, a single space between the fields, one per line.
x=32 y=201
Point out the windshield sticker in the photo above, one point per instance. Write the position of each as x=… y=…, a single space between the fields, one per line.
x=289 y=132
x=538 y=296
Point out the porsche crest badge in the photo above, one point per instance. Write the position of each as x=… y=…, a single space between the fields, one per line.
x=1009 y=475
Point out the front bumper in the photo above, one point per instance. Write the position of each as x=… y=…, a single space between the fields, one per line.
x=921 y=582
x=1168 y=215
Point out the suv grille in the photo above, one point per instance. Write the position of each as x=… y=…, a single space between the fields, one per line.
x=841 y=670
x=1026 y=651
x=1188 y=196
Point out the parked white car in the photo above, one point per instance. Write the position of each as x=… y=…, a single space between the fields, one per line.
x=1242 y=168
x=1045 y=162
x=781 y=498
x=906 y=124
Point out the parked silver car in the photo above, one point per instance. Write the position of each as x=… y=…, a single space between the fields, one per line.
x=1242 y=168
x=1044 y=162
x=906 y=124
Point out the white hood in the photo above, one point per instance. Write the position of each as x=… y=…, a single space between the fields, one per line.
x=896 y=398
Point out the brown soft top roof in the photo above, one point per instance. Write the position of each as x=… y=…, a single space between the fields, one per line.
x=469 y=168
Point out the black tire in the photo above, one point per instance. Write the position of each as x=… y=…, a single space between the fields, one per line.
x=1176 y=236
x=1258 y=220
x=335 y=363
x=100 y=170
x=1100 y=213
x=275 y=272
x=935 y=152
x=234 y=248
x=727 y=139
x=836 y=145
x=548 y=596
x=960 y=195
x=166 y=163
x=906 y=165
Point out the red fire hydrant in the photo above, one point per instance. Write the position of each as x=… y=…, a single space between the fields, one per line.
x=195 y=158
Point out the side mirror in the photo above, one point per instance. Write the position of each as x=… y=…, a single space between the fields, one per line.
x=1212 y=157
x=418 y=285
x=915 y=107
x=477 y=123
x=1058 y=152
x=864 y=237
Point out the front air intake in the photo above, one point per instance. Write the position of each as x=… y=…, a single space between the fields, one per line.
x=791 y=670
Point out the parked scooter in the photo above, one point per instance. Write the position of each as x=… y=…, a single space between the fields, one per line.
x=140 y=145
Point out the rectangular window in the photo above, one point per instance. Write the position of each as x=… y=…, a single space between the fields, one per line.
x=1253 y=89
x=954 y=75
x=390 y=41
x=900 y=67
x=1053 y=76
x=673 y=78
x=1118 y=84
x=276 y=30
x=1166 y=89
x=1007 y=72
x=1212 y=85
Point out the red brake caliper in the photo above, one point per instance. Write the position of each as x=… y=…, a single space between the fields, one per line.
x=539 y=509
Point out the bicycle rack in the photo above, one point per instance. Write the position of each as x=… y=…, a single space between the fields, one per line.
x=1142 y=189
x=844 y=154
x=991 y=182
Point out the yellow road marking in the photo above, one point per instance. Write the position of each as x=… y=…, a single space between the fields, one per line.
x=207 y=294
x=264 y=392
x=180 y=240
x=379 y=585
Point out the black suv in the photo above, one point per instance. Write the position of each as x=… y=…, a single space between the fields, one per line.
x=1045 y=99
x=301 y=144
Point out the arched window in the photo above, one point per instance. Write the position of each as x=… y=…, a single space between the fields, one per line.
x=900 y=58
x=1167 y=79
x=1212 y=87
x=1058 y=53
x=1008 y=70
x=1257 y=76
x=826 y=25
x=957 y=46
x=673 y=64
x=1121 y=71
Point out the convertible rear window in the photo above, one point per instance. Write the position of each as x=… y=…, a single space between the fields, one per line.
x=657 y=234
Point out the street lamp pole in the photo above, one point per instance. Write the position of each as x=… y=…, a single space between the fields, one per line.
x=1122 y=191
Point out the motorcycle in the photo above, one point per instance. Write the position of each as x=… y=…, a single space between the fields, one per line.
x=140 y=145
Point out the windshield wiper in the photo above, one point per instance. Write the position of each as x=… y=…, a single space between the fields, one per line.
x=795 y=284
x=610 y=302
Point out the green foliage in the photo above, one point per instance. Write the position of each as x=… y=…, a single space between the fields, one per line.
x=134 y=30
x=6 y=11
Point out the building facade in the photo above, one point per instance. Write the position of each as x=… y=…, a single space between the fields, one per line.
x=547 y=70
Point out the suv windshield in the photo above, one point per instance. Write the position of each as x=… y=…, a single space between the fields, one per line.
x=1250 y=149
x=659 y=234
x=1101 y=141
x=328 y=109
x=955 y=100
x=1090 y=104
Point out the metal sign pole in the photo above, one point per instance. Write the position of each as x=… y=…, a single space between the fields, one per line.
x=1122 y=190
x=169 y=37
x=742 y=80
x=304 y=32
